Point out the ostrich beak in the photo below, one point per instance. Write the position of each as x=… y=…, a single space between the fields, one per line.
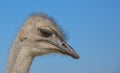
x=66 y=49
x=63 y=48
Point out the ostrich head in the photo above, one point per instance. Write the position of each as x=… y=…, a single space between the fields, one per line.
x=41 y=35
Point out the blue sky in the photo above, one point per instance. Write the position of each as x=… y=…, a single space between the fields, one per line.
x=93 y=28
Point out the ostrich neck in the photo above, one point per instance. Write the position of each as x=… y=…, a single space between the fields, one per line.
x=20 y=60
x=23 y=62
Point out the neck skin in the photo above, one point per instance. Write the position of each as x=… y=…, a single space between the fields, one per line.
x=20 y=60
x=23 y=62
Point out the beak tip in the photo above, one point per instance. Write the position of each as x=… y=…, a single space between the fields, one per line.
x=76 y=56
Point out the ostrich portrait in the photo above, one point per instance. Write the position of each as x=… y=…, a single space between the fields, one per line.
x=38 y=36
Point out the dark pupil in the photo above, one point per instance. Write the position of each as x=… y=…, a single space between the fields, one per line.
x=45 y=32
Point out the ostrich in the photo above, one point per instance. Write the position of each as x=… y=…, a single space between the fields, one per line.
x=39 y=35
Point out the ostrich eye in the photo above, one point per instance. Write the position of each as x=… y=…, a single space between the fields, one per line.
x=44 y=32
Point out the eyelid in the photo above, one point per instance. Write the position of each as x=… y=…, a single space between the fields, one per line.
x=44 y=32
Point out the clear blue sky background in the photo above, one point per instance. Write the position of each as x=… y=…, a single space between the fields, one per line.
x=93 y=28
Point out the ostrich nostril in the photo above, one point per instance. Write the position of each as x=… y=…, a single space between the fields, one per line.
x=64 y=45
